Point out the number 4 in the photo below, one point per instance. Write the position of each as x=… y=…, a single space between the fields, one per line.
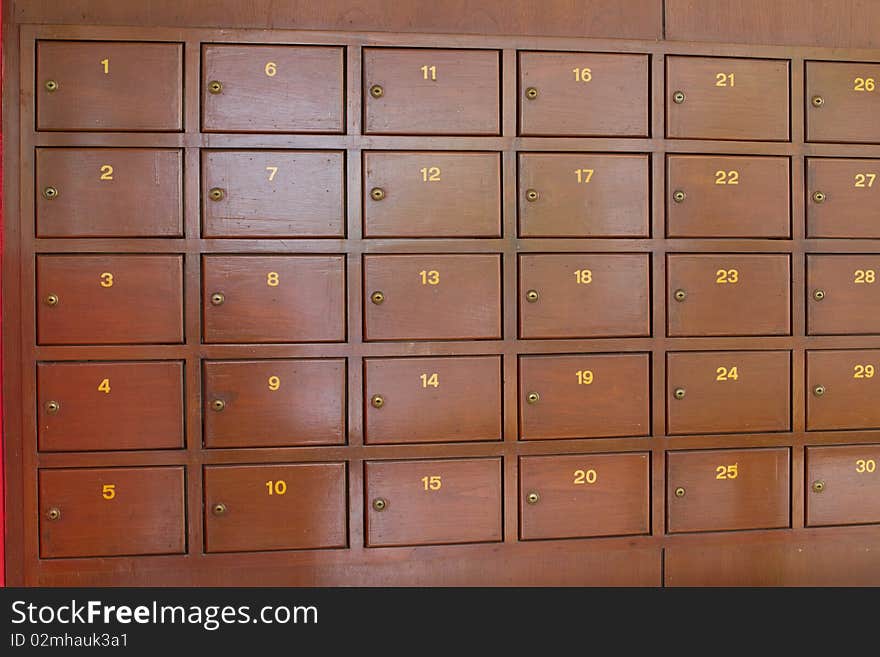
x=104 y=386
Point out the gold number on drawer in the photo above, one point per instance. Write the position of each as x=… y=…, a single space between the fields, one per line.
x=726 y=374
x=585 y=477
x=727 y=471
x=865 y=179
x=430 y=277
x=584 y=175
x=429 y=72
x=272 y=171
x=274 y=383
x=276 y=487
x=106 y=279
x=863 y=371
x=432 y=380
x=582 y=74
x=106 y=172
x=104 y=386
x=866 y=465
x=271 y=69
x=727 y=276
x=430 y=174
x=108 y=491
x=583 y=276
x=864 y=276
x=106 y=64
x=724 y=80
x=272 y=279
x=585 y=377
x=864 y=84
x=433 y=482
x=727 y=177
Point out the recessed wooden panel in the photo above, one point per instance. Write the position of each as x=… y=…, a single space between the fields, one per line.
x=428 y=91
x=109 y=85
x=584 y=495
x=274 y=403
x=843 y=387
x=276 y=298
x=842 y=102
x=728 y=294
x=432 y=297
x=842 y=197
x=433 y=502
x=728 y=391
x=110 y=406
x=727 y=98
x=432 y=194
x=584 y=396
x=109 y=299
x=275 y=507
x=273 y=193
x=109 y=192
x=727 y=196
x=583 y=195
x=843 y=485
x=103 y=512
x=262 y=88
x=583 y=94
x=727 y=489
x=843 y=294
x=428 y=400
x=584 y=295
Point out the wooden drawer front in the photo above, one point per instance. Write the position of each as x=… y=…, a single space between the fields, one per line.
x=726 y=489
x=109 y=299
x=433 y=502
x=105 y=512
x=273 y=88
x=273 y=193
x=842 y=197
x=843 y=388
x=427 y=400
x=109 y=192
x=843 y=485
x=275 y=507
x=110 y=406
x=432 y=194
x=584 y=495
x=843 y=294
x=842 y=102
x=584 y=396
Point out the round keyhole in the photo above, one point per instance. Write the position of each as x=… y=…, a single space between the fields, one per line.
x=819 y=197
x=218 y=298
x=50 y=193
x=531 y=195
x=818 y=101
x=531 y=93
x=376 y=91
x=679 y=492
x=219 y=509
x=52 y=407
x=218 y=405
x=818 y=486
x=52 y=300
x=215 y=86
x=818 y=295
x=54 y=513
x=51 y=85
x=379 y=504
x=216 y=194
x=377 y=401
x=532 y=296
x=533 y=497
x=678 y=196
x=533 y=397
x=377 y=193
x=679 y=393
x=680 y=295
x=678 y=97
x=819 y=391
x=377 y=297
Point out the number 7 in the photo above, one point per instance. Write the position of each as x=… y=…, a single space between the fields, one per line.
x=272 y=171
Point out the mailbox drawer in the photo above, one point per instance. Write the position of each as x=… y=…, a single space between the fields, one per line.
x=432 y=297
x=584 y=295
x=275 y=507
x=109 y=85
x=843 y=388
x=842 y=102
x=109 y=299
x=426 y=400
x=584 y=396
x=423 y=91
x=274 y=298
x=105 y=512
x=432 y=194
x=274 y=403
x=109 y=192
x=433 y=502
x=110 y=406
x=727 y=196
x=273 y=88
x=728 y=391
x=727 y=98
x=727 y=489
x=728 y=294
x=273 y=193
x=843 y=485
x=583 y=195
x=584 y=495
x=842 y=197
x=843 y=294
x=583 y=94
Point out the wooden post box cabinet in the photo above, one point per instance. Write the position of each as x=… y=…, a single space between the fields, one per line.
x=334 y=308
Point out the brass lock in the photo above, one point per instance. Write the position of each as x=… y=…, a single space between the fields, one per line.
x=533 y=497
x=216 y=194
x=679 y=393
x=817 y=101
x=680 y=295
x=678 y=196
x=52 y=300
x=52 y=407
x=679 y=492
x=215 y=86
x=533 y=397
x=377 y=193
x=377 y=401
x=376 y=91
x=531 y=93
x=54 y=513
x=218 y=405
x=377 y=297
x=818 y=295
x=819 y=197
x=531 y=195
x=678 y=97
x=50 y=192
x=51 y=86
x=219 y=509
x=818 y=486
x=819 y=391
x=379 y=504
x=217 y=299
x=532 y=296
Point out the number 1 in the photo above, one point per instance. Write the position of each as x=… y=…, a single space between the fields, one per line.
x=106 y=64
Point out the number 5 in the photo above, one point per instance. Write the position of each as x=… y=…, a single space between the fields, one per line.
x=108 y=492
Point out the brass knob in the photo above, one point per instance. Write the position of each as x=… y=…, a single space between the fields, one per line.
x=679 y=492
x=376 y=91
x=818 y=295
x=533 y=497
x=51 y=85
x=50 y=192
x=379 y=504
x=377 y=297
x=217 y=299
x=216 y=194
x=678 y=97
x=377 y=401
x=818 y=486
x=219 y=509
x=218 y=405
x=531 y=93
x=817 y=101
x=531 y=195
x=215 y=86
x=819 y=391
x=678 y=196
x=52 y=300
x=52 y=407
x=533 y=397
x=54 y=513
x=377 y=193
x=532 y=296
x=680 y=295
x=679 y=393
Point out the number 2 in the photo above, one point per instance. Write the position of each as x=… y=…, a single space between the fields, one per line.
x=724 y=80
x=865 y=179
x=727 y=177
x=864 y=84
x=863 y=371
x=585 y=477
x=864 y=276
x=725 y=374
x=724 y=276
x=106 y=172
x=727 y=471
